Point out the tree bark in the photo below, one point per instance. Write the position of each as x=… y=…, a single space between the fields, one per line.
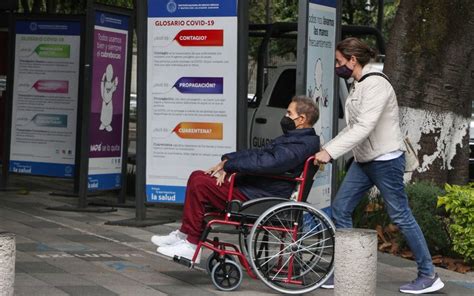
x=37 y=4
x=51 y=6
x=25 y=5
x=430 y=61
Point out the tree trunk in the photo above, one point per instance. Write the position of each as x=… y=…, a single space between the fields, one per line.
x=37 y=5
x=26 y=6
x=430 y=61
x=51 y=6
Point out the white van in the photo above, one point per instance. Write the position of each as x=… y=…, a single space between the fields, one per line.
x=264 y=119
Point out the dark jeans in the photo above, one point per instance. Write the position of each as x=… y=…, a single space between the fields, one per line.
x=388 y=177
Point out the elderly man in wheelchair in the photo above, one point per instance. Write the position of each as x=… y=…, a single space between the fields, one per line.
x=290 y=245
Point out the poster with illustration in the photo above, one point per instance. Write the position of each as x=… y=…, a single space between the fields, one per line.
x=321 y=44
x=191 y=91
x=106 y=128
x=45 y=97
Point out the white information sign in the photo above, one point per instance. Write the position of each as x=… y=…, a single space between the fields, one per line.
x=320 y=85
x=191 y=91
x=45 y=97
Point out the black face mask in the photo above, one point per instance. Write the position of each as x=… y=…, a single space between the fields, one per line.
x=287 y=124
x=344 y=72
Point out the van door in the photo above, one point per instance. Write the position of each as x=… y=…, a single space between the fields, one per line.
x=277 y=97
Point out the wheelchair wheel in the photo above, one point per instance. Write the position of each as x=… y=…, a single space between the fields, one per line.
x=226 y=276
x=291 y=248
x=213 y=259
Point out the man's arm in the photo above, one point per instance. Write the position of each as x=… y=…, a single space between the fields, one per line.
x=278 y=160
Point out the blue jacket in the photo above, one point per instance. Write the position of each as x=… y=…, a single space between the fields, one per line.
x=285 y=154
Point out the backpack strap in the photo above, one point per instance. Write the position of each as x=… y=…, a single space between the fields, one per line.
x=374 y=74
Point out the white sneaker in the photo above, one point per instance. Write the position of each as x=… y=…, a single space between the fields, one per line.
x=183 y=249
x=168 y=240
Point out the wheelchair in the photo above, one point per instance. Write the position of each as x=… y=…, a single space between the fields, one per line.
x=285 y=242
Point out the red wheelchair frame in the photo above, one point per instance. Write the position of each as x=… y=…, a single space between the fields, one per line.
x=231 y=217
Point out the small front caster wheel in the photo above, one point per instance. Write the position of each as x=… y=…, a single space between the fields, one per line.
x=227 y=276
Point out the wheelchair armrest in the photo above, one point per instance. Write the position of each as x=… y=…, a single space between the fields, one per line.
x=285 y=176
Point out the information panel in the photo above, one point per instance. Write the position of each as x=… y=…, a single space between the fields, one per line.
x=191 y=91
x=320 y=85
x=45 y=97
x=106 y=129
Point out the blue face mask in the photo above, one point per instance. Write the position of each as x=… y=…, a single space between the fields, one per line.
x=344 y=72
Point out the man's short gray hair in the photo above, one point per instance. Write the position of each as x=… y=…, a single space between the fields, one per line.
x=306 y=106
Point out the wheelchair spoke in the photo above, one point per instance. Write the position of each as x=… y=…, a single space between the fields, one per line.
x=318 y=256
x=269 y=231
x=271 y=243
x=302 y=262
x=317 y=243
x=292 y=247
x=306 y=235
x=281 y=268
x=286 y=229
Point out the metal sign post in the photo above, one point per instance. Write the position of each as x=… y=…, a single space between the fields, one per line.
x=317 y=35
x=104 y=133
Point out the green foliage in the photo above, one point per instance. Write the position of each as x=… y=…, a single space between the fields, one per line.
x=370 y=213
x=459 y=204
x=423 y=197
x=68 y=6
x=356 y=12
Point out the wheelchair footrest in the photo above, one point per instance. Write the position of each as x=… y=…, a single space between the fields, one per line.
x=183 y=261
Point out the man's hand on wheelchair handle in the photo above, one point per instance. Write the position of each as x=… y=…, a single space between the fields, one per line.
x=322 y=157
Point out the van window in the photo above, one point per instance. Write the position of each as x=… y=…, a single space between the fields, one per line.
x=284 y=89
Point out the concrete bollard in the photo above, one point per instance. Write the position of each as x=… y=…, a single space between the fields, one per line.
x=355 y=268
x=7 y=263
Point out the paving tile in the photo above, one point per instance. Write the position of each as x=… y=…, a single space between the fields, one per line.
x=108 y=279
x=20 y=239
x=191 y=276
x=41 y=224
x=25 y=257
x=62 y=279
x=81 y=238
x=37 y=267
x=135 y=290
x=94 y=256
x=124 y=266
x=394 y=261
x=76 y=265
x=71 y=247
x=122 y=237
x=109 y=246
x=38 y=291
x=152 y=278
x=27 y=280
x=86 y=291
x=34 y=247
x=182 y=290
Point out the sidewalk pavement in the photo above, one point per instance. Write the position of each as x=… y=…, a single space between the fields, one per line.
x=70 y=253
